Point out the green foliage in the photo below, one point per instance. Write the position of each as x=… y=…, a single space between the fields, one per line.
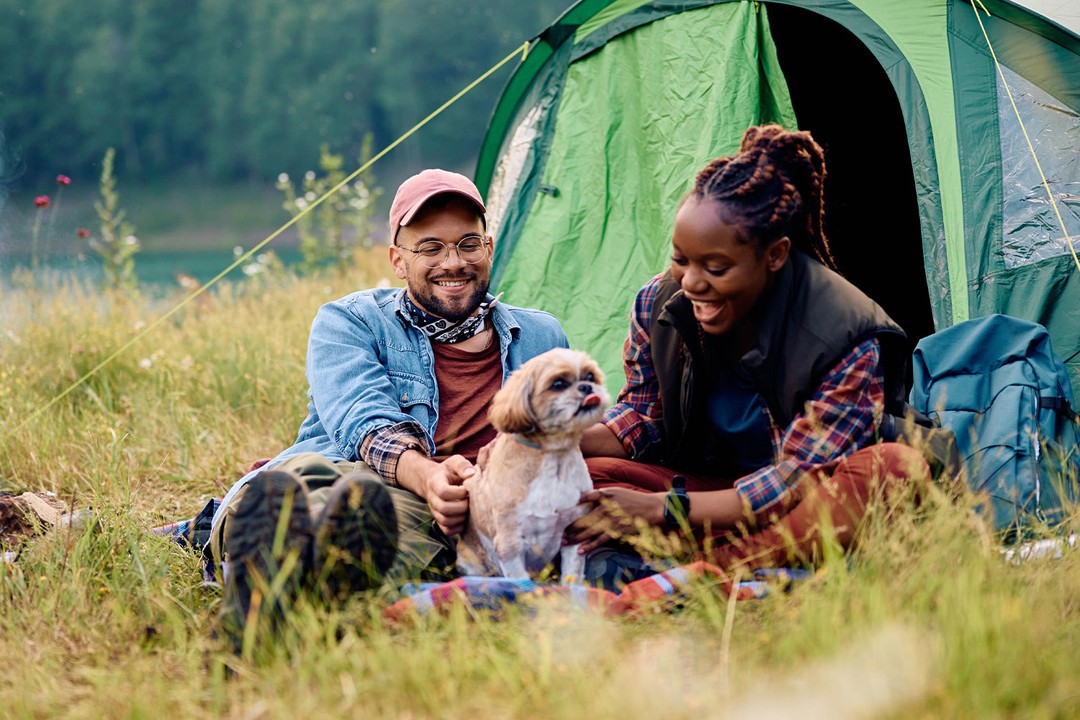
x=330 y=231
x=263 y=267
x=239 y=91
x=117 y=245
x=485 y=33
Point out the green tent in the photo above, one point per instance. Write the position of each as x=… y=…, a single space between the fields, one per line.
x=935 y=206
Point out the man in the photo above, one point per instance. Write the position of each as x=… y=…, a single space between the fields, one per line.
x=399 y=385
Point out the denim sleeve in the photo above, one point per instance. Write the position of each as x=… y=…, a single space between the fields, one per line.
x=350 y=381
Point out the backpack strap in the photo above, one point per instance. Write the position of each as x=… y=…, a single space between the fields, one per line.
x=918 y=430
x=1059 y=405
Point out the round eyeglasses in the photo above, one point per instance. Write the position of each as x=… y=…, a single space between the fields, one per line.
x=471 y=249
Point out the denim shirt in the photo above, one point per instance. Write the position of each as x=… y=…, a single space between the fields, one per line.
x=369 y=367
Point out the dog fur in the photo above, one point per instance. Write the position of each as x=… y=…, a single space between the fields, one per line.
x=528 y=491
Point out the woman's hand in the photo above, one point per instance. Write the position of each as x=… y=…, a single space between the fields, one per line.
x=618 y=513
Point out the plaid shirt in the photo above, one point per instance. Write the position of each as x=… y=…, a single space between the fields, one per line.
x=842 y=416
x=382 y=448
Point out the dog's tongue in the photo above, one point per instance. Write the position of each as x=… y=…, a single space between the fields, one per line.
x=591 y=400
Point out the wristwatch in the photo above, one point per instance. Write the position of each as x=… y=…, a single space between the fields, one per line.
x=677 y=504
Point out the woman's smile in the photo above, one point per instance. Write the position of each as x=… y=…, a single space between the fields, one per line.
x=721 y=269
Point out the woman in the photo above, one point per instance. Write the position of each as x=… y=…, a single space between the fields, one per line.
x=755 y=371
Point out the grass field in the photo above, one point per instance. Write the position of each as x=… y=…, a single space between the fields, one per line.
x=925 y=620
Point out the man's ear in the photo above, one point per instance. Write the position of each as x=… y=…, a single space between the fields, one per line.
x=397 y=261
x=777 y=254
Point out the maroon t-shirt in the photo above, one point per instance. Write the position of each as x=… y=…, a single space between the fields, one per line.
x=467 y=382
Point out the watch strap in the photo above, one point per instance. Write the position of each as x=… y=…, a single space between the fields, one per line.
x=677 y=503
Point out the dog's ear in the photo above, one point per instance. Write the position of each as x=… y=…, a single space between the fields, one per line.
x=511 y=408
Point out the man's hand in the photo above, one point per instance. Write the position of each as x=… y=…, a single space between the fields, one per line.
x=448 y=500
x=440 y=484
x=618 y=513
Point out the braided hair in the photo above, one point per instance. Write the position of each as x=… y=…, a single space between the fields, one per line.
x=773 y=187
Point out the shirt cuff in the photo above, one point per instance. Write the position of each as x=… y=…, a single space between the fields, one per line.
x=632 y=430
x=382 y=448
x=767 y=495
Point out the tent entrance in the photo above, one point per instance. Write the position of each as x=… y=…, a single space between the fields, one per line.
x=842 y=95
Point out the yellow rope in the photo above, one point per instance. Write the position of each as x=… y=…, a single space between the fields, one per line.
x=1031 y=147
x=522 y=50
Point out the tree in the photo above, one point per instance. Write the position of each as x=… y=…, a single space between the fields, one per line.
x=484 y=31
x=249 y=90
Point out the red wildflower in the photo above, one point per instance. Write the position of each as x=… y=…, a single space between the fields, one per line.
x=42 y=201
x=83 y=233
x=63 y=180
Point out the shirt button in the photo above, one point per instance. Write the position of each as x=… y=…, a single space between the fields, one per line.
x=405 y=398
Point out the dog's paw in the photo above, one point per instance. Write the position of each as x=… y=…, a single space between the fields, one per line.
x=469 y=561
x=571 y=566
x=514 y=567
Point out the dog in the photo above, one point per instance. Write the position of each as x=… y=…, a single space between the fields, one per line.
x=528 y=490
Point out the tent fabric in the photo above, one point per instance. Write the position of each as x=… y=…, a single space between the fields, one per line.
x=1020 y=261
x=602 y=128
x=1064 y=14
x=626 y=147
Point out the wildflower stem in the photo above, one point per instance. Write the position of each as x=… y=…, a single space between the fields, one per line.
x=34 y=243
x=53 y=209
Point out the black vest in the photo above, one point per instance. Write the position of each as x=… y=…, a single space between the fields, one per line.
x=810 y=318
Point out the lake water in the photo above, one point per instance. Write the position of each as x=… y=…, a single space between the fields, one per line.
x=155 y=270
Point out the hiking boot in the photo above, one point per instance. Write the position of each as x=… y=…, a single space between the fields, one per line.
x=269 y=548
x=356 y=537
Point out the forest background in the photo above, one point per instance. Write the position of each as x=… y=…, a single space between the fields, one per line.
x=207 y=102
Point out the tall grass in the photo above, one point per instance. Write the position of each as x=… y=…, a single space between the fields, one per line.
x=926 y=619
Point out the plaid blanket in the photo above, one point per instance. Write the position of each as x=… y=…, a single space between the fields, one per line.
x=658 y=591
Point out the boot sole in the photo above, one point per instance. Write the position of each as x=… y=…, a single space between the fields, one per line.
x=262 y=544
x=356 y=537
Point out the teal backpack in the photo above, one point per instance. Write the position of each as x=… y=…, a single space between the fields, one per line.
x=997 y=384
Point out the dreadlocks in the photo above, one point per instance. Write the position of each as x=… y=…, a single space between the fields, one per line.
x=773 y=185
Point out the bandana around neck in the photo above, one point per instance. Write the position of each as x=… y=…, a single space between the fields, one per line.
x=442 y=330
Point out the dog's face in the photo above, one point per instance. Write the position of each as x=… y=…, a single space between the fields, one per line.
x=560 y=391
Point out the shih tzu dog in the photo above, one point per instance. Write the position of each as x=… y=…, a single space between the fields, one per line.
x=529 y=489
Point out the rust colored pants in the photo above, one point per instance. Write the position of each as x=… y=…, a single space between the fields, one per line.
x=834 y=505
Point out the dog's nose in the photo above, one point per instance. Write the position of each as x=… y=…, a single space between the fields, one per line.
x=585 y=387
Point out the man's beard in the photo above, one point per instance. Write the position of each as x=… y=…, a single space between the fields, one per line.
x=454 y=313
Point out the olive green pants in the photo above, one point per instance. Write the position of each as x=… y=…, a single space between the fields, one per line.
x=424 y=552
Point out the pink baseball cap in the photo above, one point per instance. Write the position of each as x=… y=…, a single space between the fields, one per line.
x=417 y=190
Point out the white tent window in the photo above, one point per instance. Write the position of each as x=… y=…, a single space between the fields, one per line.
x=504 y=182
x=1031 y=231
